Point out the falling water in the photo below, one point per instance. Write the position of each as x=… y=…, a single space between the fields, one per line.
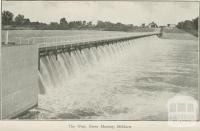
x=130 y=80
x=56 y=73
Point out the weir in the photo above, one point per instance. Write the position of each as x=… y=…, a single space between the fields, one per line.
x=57 y=49
x=20 y=86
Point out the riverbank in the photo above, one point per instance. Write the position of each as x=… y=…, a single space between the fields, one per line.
x=193 y=32
x=177 y=34
x=133 y=29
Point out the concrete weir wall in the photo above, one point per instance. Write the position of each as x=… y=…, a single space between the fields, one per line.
x=19 y=79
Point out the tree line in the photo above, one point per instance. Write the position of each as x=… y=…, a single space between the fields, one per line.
x=9 y=21
x=190 y=26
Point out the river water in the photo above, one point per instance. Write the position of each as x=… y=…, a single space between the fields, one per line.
x=131 y=80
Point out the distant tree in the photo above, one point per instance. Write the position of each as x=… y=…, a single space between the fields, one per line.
x=35 y=23
x=84 y=23
x=7 y=17
x=27 y=22
x=71 y=24
x=100 y=24
x=143 y=25
x=89 y=24
x=188 y=25
x=38 y=25
x=114 y=27
x=63 y=23
x=54 y=25
x=78 y=24
x=19 y=20
x=180 y=25
x=195 y=21
x=108 y=25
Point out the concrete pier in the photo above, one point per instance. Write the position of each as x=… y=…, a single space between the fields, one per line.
x=19 y=79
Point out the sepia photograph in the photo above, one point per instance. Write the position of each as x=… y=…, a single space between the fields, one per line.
x=100 y=61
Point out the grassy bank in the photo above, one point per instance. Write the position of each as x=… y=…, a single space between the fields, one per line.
x=178 y=34
x=193 y=32
x=135 y=29
x=176 y=30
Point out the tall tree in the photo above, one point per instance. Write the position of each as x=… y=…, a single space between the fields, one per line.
x=63 y=21
x=7 y=18
x=63 y=24
x=19 y=20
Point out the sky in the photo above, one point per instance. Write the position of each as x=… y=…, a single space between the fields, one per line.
x=127 y=12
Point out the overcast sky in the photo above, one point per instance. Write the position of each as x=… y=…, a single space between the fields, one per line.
x=125 y=12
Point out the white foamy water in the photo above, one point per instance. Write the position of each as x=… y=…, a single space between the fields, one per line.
x=130 y=80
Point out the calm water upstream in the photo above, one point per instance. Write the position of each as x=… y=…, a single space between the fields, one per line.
x=125 y=81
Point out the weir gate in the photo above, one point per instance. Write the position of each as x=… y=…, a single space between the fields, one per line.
x=56 y=49
x=20 y=64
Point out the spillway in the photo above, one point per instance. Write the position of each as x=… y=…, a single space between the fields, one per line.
x=56 y=72
x=129 y=80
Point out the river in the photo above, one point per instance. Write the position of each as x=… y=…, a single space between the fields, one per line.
x=126 y=81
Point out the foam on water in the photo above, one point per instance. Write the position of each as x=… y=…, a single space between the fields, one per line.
x=128 y=81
